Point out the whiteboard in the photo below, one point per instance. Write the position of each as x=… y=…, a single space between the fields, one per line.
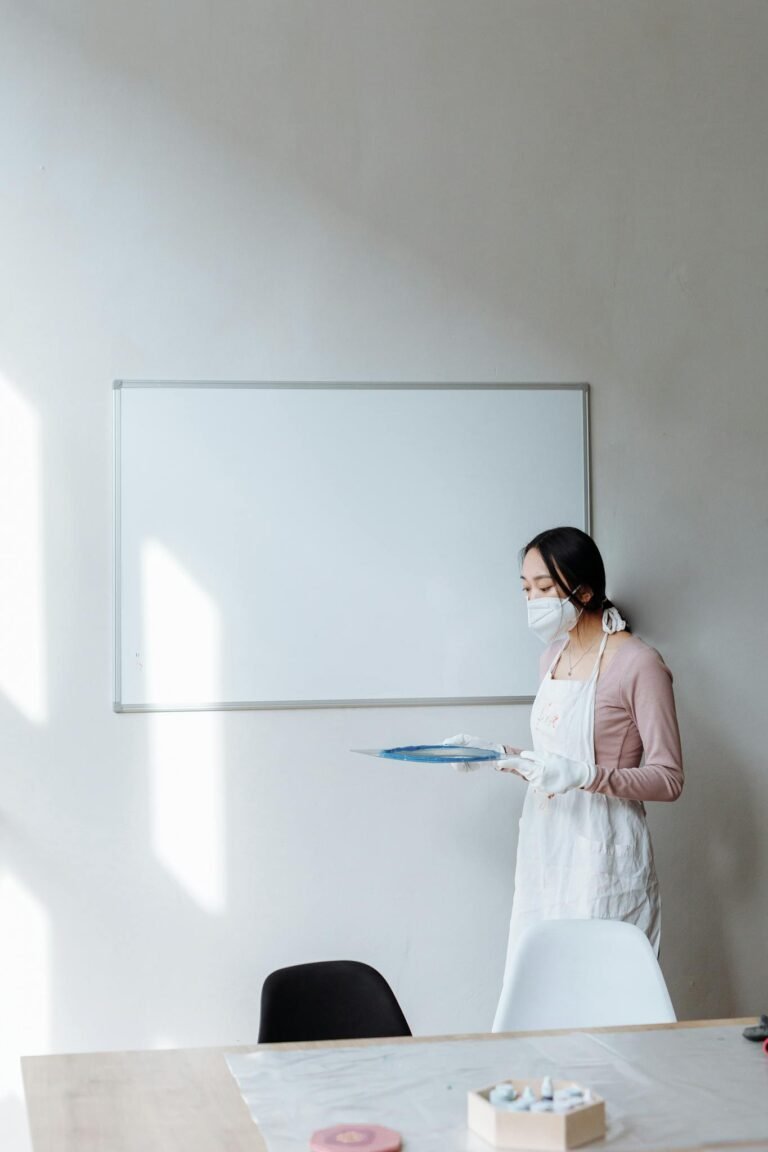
x=311 y=545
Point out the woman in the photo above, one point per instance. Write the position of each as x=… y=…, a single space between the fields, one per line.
x=605 y=739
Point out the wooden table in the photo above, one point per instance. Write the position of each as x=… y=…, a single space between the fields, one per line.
x=172 y=1101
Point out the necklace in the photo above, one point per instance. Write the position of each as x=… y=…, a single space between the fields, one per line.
x=575 y=663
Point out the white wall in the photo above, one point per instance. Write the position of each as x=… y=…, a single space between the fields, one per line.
x=411 y=190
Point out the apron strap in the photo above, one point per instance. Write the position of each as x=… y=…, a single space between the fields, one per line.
x=557 y=656
x=596 y=669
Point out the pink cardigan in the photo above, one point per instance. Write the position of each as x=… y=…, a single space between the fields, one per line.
x=634 y=714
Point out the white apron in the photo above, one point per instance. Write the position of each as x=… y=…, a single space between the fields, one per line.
x=580 y=855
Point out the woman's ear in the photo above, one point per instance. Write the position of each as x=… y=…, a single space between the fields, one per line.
x=585 y=595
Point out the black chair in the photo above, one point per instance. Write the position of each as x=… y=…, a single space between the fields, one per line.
x=330 y=1000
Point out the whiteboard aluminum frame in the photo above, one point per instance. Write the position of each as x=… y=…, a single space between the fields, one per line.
x=119 y=386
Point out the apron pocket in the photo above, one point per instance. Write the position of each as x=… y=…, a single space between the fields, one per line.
x=603 y=867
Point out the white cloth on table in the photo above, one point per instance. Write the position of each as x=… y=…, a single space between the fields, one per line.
x=664 y=1088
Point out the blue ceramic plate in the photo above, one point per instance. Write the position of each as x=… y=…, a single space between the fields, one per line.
x=432 y=753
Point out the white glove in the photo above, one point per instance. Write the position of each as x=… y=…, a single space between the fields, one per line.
x=464 y=741
x=554 y=774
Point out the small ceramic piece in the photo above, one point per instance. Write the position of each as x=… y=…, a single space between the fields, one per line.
x=350 y=1137
x=502 y=1093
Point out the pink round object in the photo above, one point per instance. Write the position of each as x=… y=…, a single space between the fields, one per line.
x=349 y=1137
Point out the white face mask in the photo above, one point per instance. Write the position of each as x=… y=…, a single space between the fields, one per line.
x=552 y=618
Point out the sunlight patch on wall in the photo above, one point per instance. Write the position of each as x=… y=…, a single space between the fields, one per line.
x=22 y=625
x=181 y=645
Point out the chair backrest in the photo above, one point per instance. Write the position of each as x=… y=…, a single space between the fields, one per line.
x=582 y=974
x=329 y=1000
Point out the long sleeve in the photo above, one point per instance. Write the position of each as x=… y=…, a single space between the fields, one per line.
x=640 y=718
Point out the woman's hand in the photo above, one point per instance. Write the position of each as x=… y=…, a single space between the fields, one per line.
x=508 y=763
x=554 y=774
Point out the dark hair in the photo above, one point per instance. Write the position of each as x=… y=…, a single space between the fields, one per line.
x=573 y=560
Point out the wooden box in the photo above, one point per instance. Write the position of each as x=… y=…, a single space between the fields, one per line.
x=550 y=1131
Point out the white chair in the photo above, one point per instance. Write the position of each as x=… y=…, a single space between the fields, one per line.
x=582 y=974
